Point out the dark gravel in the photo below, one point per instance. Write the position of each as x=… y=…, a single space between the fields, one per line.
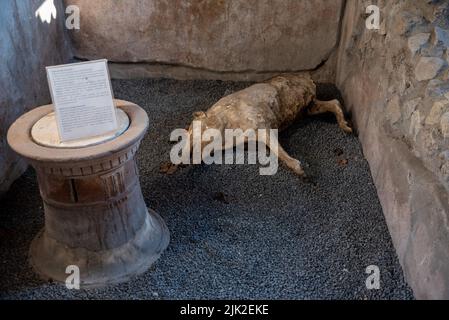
x=234 y=233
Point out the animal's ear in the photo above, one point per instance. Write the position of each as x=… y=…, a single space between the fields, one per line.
x=199 y=115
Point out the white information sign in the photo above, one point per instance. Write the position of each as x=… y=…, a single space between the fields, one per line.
x=83 y=100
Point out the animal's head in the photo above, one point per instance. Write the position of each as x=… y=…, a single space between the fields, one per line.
x=199 y=117
x=203 y=121
x=206 y=121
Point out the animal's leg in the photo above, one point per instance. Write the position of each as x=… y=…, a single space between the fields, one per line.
x=280 y=153
x=292 y=163
x=333 y=106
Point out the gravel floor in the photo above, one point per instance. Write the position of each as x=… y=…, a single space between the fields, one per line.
x=234 y=233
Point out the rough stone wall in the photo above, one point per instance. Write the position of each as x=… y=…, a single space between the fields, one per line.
x=27 y=46
x=238 y=39
x=395 y=82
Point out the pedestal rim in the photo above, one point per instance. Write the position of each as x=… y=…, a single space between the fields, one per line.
x=45 y=133
x=20 y=140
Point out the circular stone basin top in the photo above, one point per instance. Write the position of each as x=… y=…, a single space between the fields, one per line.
x=48 y=150
x=45 y=132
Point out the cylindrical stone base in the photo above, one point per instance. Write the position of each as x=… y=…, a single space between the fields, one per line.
x=50 y=257
x=95 y=214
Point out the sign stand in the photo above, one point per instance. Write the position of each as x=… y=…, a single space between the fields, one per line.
x=95 y=215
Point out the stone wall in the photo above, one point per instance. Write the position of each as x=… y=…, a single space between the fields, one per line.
x=27 y=46
x=395 y=82
x=221 y=39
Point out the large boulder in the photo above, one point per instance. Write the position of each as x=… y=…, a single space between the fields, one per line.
x=210 y=35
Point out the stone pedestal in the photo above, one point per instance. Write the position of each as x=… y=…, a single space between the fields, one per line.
x=95 y=214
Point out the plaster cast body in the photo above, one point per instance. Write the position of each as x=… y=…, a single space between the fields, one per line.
x=273 y=104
